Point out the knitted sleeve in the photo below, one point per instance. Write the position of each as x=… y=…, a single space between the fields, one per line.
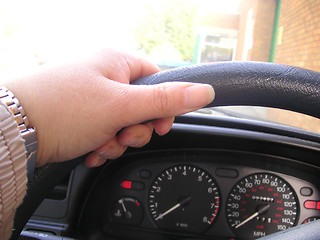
x=13 y=178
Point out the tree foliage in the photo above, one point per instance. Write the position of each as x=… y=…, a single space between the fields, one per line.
x=169 y=24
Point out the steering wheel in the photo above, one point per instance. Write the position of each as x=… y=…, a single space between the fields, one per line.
x=235 y=83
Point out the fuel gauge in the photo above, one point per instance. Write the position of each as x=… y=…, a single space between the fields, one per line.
x=127 y=211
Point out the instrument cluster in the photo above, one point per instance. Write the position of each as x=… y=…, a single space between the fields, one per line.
x=207 y=195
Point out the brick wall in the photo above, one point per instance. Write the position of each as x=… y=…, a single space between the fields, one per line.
x=299 y=44
x=263 y=29
x=221 y=20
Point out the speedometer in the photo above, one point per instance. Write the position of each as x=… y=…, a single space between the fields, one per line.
x=261 y=204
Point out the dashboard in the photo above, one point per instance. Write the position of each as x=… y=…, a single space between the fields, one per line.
x=210 y=178
x=204 y=194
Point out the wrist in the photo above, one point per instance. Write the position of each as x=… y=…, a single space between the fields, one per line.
x=27 y=133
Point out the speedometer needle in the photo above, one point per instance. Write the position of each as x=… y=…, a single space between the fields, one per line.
x=262 y=210
x=179 y=204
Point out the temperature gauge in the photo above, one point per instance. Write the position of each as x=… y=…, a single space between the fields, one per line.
x=127 y=211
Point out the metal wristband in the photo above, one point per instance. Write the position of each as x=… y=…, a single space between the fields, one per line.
x=28 y=134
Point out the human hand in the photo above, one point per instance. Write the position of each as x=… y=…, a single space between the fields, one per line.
x=80 y=107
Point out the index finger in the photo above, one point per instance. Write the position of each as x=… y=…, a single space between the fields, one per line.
x=140 y=67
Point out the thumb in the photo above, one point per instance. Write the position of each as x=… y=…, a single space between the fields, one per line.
x=165 y=100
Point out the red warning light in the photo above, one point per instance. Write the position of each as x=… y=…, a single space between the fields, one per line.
x=310 y=204
x=126 y=184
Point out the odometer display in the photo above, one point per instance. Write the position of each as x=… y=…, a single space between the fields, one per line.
x=184 y=198
x=261 y=204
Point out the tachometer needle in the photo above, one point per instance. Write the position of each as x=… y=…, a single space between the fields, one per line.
x=179 y=204
x=262 y=210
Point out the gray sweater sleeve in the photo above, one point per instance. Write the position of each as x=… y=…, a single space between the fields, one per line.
x=13 y=178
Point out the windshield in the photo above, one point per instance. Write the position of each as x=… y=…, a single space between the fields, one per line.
x=172 y=33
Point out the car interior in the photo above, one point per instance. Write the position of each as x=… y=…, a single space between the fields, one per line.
x=211 y=177
x=245 y=167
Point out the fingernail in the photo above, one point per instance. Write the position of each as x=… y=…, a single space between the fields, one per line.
x=134 y=142
x=96 y=160
x=110 y=152
x=198 y=96
x=101 y=154
x=101 y=157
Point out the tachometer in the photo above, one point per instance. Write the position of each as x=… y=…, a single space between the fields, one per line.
x=184 y=198
x=261 y=204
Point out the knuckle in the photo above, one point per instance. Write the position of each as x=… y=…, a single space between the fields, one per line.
x=161 y=99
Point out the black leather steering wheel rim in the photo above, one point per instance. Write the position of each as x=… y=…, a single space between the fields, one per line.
x=235 y=83
x=251 y=84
